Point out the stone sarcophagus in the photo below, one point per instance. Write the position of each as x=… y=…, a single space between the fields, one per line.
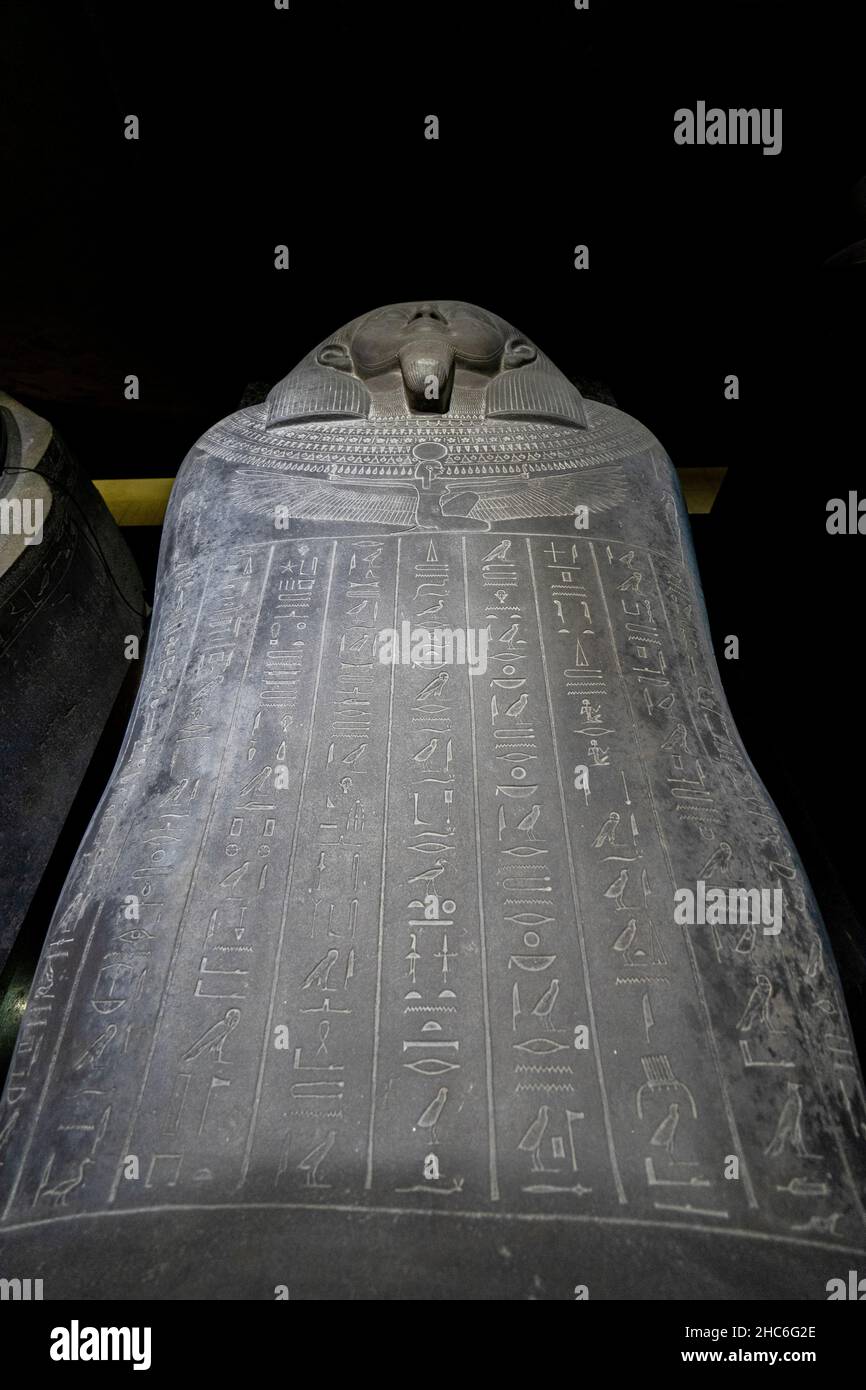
x=435 y=936
x=71 y=618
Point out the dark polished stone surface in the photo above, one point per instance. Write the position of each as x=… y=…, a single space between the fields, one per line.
x=63 y=625
x=368 y=973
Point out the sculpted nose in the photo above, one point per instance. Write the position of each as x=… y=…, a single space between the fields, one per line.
x=427 y=311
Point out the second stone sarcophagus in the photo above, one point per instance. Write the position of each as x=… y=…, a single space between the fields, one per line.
x=71 y=614
x=436 y=937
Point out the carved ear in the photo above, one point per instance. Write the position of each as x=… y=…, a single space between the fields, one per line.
x=335 y=355
x=316 y=392
x=518 y=352
x=536 y=391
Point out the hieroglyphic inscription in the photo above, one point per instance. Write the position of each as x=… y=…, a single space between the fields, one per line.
x=377 y=905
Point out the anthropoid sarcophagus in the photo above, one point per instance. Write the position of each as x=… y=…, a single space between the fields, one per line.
x=436 y=936
x=70 y=601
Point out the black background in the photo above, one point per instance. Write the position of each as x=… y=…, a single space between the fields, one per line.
x=261 y=127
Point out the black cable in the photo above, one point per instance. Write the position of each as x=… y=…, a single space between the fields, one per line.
x=61 y=487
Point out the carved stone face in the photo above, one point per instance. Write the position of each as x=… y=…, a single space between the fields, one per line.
x=430 y=342
x=465 y=332
x=444 y=358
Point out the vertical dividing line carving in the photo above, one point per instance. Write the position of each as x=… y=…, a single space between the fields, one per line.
x=377 y=1007
x=290 y=878
x=482 y=929
x=578 y=914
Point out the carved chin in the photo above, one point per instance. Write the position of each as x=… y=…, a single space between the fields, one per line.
x=428 y=375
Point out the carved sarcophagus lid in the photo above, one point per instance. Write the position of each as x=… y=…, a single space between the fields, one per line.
x=436 y=936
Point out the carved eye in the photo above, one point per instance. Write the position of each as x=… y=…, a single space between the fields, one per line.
x=432 y=1066
x=539 y=1046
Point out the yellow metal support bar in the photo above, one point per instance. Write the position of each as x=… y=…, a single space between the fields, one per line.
x=135 y=501
x=700 y=487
